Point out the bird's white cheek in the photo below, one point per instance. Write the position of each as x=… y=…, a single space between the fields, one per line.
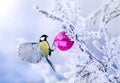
x=42 y=38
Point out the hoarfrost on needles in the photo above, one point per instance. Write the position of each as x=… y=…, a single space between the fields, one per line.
x=96 y=51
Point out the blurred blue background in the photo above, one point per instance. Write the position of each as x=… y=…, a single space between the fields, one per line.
x=20 y=22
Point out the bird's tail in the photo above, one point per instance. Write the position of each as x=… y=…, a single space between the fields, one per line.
x=50 y=63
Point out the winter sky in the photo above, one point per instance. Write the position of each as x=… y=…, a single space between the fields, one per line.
x=20 y=22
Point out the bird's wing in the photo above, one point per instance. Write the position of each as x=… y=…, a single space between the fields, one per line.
x=30 y=52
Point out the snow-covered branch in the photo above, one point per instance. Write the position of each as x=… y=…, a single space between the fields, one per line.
x=97 y=62
x=105 y=13
x=48 y=15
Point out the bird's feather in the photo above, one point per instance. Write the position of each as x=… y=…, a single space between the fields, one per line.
x=30 y=52
x=50 y=63
x=44 y=48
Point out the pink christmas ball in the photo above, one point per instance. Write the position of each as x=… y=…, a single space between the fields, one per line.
x=62 y=41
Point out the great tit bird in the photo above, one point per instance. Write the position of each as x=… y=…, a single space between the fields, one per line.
x=34 y=51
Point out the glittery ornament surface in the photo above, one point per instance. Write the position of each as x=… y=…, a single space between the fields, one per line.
x=62 y=41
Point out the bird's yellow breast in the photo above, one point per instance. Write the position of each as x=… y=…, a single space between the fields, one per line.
x=44 y=48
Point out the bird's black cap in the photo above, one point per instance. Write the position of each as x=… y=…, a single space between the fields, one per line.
x=43 y=38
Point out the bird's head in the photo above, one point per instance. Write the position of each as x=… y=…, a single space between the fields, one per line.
x=43 y=38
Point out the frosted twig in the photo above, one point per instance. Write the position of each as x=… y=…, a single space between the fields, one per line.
x=49 y=15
